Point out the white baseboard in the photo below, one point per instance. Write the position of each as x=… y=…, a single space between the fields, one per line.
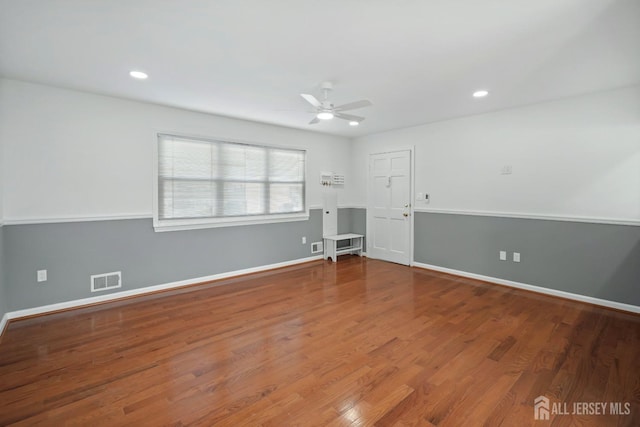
x=3 y=323
x=538 y=289
x=146 y=290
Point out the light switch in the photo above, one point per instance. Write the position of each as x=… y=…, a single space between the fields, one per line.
x=516 y=257
x=503 y=255
x=506 y=170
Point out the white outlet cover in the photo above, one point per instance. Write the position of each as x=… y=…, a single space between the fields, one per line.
x=42 y=275
x=516 y=257
x=304 y=240
x=503 y=255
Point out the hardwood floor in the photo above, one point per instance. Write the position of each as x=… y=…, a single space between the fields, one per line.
x=360 y=342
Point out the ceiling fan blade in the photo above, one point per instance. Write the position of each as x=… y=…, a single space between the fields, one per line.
x=314 y=121
x=311 y=100
x=349 y=117
x=353 y=105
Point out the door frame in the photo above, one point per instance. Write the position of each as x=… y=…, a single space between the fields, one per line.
x=412 y=175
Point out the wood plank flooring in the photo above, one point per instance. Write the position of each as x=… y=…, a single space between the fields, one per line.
x=358 y=342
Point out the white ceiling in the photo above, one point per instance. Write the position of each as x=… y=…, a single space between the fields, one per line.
x=418 y=61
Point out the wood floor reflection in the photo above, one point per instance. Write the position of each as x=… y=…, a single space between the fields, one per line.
x=358 y=342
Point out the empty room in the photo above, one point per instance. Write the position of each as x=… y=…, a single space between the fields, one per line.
x=320 y=213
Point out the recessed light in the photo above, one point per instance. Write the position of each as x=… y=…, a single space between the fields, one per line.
x=480 y=93
x=138 y=75
x=354 y=123
x=325 y=115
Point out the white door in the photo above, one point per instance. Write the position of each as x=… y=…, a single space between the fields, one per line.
x=389 y=207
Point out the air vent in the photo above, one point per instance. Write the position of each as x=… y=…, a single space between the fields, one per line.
x=316 y=247
x=102 y=282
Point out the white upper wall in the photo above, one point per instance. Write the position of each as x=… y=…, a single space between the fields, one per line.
x=2 y=144
x=67 y=154
x=575 y=157
x=70 y=154
x=1 y=154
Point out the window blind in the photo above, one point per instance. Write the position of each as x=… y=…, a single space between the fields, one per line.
x=200 y=178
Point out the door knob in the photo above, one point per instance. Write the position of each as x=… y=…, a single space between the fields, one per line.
x=405 y=214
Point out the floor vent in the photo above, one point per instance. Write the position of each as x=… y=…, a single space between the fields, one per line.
x=102 y=282
x=316 y=247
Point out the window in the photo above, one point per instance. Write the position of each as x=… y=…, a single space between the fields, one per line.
x=204 y=183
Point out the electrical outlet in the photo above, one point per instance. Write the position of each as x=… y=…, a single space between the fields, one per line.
x=304 y=240
x=516 y=257
x=42 y=275
x=503 y=255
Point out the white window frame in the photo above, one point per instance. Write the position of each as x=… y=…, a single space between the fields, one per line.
x=161 y=225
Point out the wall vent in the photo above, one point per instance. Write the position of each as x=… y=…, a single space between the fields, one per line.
x=102 y=282
x=316 y=247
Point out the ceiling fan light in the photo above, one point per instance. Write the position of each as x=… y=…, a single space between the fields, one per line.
x=353 y=123
x=480 y=93
x=140 y=75
x=325 y=115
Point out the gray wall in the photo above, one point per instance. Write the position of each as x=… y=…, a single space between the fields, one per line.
x=358 y=220
x=352 y=220
x=71 y=252
x=3 y=293
x=597 y=260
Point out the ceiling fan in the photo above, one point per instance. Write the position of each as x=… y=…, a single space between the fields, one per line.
x=326 y=111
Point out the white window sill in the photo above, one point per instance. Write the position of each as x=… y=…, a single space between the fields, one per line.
x=196 y=224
